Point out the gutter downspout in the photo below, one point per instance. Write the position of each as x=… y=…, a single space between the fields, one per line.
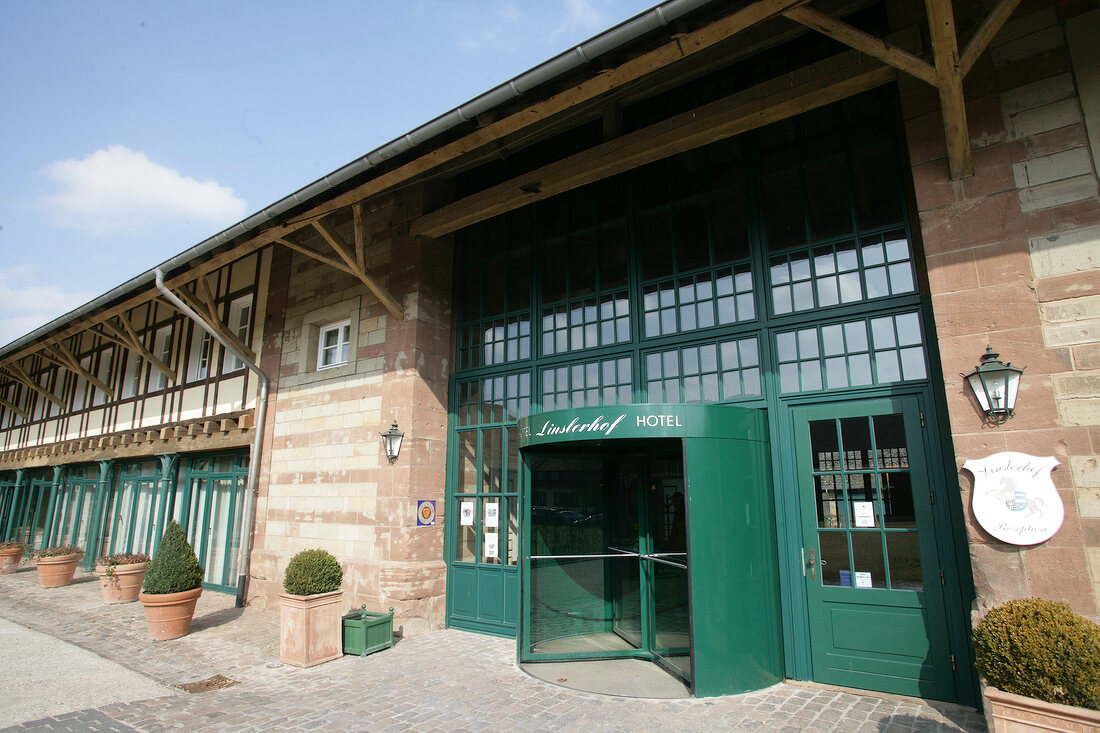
x=251 y=492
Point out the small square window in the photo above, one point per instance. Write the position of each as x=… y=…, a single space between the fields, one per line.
x=332 y=345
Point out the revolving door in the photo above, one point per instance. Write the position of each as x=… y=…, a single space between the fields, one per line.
x=649 y=533
x=608 y=556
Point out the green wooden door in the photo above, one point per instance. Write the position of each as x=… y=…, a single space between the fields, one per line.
x=874 y=584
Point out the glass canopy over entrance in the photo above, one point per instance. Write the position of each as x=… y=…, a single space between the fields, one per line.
x=649 y=533
x=608 y=554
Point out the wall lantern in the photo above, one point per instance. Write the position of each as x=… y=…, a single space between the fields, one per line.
x=392 y=440
x=995 y=384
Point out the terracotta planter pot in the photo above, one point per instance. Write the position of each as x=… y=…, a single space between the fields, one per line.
x=169 y=614
x=1019 y=714
x=9 y=560
x=55 y=572
x=121 y=583
x=310 y=629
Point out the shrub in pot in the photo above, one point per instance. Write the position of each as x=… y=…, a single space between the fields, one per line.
x=11 y=554
x=121 y=576
x=310 y=621
x=56 y=565
x=1042 y=661
x=173 y=584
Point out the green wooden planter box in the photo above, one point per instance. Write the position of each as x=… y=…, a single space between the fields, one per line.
x=366 y=632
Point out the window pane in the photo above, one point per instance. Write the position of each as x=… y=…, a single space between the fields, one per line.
x=835 y=569
x=867 y=558
x=905 y=568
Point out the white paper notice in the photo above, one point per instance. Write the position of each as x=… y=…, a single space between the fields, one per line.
x=864 y=512
x=863 y=580
x=466 y=513
x=492 y=515
x=491 y=546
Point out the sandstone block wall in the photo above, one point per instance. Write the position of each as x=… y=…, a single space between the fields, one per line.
x=325 y=480
x=1013 y=256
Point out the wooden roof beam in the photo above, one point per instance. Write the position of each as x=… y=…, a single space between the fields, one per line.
x=330 y=261
x=985 y=33
x=359 y=231
x=15 y=408
x=348 y=255
x=851 y=36
x=133 y=342
x=807 y=88
x=210 y=318
x=108 y=335
x=16 y=372
x=60 y=355
x=945 y=53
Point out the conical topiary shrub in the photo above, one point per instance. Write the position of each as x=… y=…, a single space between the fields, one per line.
x=172 y=586
x=174 y=568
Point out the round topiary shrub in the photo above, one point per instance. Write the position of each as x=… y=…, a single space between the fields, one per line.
x=311 y=572
x=1040 y=649
x=174 y=568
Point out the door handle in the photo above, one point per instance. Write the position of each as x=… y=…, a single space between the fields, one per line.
x=812 y=564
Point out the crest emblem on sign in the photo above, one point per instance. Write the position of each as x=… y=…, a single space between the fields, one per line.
x=1014 y=497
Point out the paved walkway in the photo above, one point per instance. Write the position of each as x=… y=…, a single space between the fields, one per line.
x=445 y=681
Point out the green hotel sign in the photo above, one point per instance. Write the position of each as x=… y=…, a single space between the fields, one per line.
x=639 y=421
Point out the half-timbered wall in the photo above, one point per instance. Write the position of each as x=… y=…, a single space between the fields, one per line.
x=206 y=381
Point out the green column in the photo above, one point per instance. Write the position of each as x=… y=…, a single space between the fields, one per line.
x=15 y=495
x=51 y=508
x=169 y=463
x=96 y=519
x=78 y=508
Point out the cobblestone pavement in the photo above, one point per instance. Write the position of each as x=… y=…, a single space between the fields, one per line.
x=443 y=681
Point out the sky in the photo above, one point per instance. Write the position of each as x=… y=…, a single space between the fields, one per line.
x=132 y=131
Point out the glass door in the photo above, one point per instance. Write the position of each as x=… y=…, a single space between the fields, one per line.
x=665 y=563
x=873 y=575
x=607 y=556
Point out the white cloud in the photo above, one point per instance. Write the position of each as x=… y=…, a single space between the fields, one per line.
x=28 y=305
x=509 y=27
x=117 y=189
x=582 y=14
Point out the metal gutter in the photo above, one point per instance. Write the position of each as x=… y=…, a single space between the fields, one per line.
x=609 y=40
x=251 y=492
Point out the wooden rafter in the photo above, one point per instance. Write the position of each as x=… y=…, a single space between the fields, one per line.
x=100 y=329
x=882 y=50
x=15 y=408
x=330 y=261
x=985 y=33
x=211 y=318
x=161 y=301
x=945 y=53
x=808 y=88
x=16 y=372
x=133 y=342
x=60 y=355
x=339 y=246
x=202 y=289
x=349 y=256
x=359 y=231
